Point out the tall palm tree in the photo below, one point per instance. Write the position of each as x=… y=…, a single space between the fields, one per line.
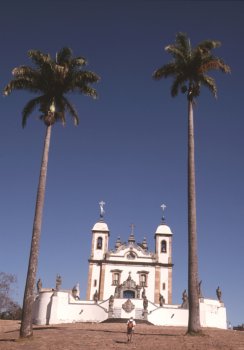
x=51 y=80
x=188 y=69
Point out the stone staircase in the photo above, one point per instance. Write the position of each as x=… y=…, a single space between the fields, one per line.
x=124 y=320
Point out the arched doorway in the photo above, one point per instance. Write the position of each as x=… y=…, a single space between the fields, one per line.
x=128 y=294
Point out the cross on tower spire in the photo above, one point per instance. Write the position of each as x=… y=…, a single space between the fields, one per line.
x=132 y=237
x=102 y=211
x=163 y=206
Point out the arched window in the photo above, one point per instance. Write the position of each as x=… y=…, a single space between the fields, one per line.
x=99 y=243
x=163 y=247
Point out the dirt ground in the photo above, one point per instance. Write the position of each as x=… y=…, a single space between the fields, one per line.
x=112 y=336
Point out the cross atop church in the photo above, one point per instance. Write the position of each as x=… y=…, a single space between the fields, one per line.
x=163 y=206
x=132 y=226
x=102 y=211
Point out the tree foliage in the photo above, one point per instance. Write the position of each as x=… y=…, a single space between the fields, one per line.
x=52 y=80
x=9 y=309
x=189 y=66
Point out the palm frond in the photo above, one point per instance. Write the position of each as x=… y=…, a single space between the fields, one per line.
x=208 y=45
x=78 y=62
x=71 y=110
x=177 y=84
x=214 y=63
x=176 y=52
x=64 y=56
x=183 y=42
x=29 y=107
x=87 y=90
x=25 y=72
x=210 y=83
x=86 y=77
x=39 y=58
x=165 y=71
x=20 y=84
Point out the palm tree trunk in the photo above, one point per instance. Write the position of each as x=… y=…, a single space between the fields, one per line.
x=26 y=322
x=194 y=315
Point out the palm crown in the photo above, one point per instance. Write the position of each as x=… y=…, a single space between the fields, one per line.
x=190 y=65
x=52 y=79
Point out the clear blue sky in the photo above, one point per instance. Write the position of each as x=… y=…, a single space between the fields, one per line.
x=130 y=147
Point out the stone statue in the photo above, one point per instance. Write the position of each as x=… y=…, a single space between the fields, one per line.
x=58 y=282
x=95 y=296
x=116 y=292
x=143 y=294
x=76 y=292
x=219 y=294
x=39 y=285
x=199 y=290
x=185 y=303
x=161 y=300
x=145 y=303
x=111 y=303
x=138 y=289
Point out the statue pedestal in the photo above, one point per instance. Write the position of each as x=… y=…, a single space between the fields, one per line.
x=145 y=314
x=110 y=313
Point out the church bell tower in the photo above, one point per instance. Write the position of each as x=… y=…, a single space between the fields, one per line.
x=163 y=252
x=99 y=248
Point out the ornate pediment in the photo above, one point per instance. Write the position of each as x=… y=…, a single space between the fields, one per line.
x=127 y=285
x=135 y=248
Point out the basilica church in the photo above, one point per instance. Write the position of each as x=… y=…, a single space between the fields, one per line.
x=127 y=281
x=130 y=270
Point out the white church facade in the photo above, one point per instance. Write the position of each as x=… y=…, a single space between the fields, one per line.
x=126 y=281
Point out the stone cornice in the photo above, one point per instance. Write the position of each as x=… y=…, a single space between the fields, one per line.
x=135 y=263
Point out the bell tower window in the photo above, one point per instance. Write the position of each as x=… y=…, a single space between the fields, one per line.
x=99 y=243
x=163 y=246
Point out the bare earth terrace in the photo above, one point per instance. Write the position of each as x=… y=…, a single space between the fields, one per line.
x=113 y=336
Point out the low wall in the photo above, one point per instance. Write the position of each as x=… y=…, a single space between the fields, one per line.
x=169 y=316
x=61 y=307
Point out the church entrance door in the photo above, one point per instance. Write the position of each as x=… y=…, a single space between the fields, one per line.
x=128 y=294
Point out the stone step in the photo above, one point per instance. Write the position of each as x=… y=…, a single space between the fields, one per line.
x=124 y=320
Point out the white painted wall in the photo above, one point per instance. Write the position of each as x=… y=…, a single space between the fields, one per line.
x=164 y=278
x=95 y=276
x=169 y=316
x=42 y=307
x=213 y=314
x=63 y=308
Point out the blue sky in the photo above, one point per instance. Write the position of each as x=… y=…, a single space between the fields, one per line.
x=130 y=147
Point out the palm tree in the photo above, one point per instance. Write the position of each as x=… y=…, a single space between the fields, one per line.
x=51 y=80
x=188 y=69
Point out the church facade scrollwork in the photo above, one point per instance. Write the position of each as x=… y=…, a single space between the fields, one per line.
x=128 y=289
x=128 y=306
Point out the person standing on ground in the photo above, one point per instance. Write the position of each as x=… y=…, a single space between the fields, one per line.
x=130 y=329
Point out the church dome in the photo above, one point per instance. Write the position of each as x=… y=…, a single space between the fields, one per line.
x=100 y=226
x=163 y=229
